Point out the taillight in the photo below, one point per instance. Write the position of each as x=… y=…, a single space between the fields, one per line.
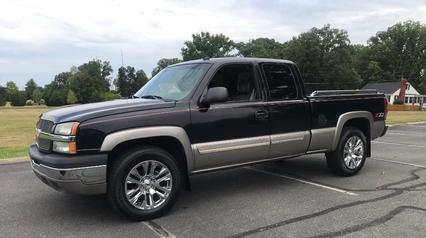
x=385 y=104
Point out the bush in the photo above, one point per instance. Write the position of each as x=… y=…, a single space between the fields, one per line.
x=29 y=102
x=106 y=96
x=398 y=102
x=18 y=98
x=3 y=96
x=56 y=98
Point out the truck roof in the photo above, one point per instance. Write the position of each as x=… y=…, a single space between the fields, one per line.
x=225 y=60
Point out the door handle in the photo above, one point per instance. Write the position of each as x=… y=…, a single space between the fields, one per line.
x=261 y=115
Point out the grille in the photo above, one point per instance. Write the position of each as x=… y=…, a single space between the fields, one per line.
x=45 y=126
x=43 y=144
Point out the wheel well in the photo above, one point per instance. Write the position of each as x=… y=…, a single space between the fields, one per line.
x=169 y=144
x=364 y=125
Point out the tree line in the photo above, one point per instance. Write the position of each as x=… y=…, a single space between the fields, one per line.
x=325 y=56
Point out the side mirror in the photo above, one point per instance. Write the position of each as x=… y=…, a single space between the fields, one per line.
x=215 y=95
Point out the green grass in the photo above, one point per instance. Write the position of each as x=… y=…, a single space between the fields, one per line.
x=17 y=126
x=6 y=153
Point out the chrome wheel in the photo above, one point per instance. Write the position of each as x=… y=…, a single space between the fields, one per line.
x=148 y=185
x=353 y=152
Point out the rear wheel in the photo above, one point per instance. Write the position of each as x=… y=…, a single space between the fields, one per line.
x=144 y=183
x=350 y=155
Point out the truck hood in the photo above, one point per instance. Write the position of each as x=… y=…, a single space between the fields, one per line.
x=85 y=112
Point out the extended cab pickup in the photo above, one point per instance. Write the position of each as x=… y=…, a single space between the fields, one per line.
x=201 y=116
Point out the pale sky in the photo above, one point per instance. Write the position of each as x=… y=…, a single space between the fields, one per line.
x=39 y=39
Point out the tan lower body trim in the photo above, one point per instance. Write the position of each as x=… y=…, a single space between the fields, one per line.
x=235 y=144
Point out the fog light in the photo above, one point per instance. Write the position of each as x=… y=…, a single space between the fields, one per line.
x=64 y=147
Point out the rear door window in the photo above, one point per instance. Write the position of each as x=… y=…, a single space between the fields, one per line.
x=281 y=82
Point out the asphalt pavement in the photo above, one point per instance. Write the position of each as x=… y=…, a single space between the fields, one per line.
x=293 y=198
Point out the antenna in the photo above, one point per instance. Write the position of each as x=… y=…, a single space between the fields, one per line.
x=122 y=58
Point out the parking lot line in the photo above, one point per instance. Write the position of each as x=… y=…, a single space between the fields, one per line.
x=401 y=144
x=406 y=134
x=159 y=230
x=303 y=181
x=417 y=124
x=400 y=162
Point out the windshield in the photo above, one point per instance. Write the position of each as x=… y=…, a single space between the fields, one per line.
x=173 y=83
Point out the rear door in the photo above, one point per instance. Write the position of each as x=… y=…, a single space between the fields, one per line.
x=288 y=111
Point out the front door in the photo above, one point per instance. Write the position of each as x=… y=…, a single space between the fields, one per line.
x=235 y=131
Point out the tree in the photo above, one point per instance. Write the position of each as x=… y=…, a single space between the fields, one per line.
x=37 y=93
x=141 y=80
x=18 y=98
x=128 y=82
x=325 y=58
x=30 y=86
x=163 y=63
x=207 y=45
x=400 y=52
x=122 y=82
x=55 y=93
x=261 y=47
x=91 y=80
x=71 y=98
x=11 y=89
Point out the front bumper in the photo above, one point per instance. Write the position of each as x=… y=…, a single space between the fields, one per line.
x=80 y=180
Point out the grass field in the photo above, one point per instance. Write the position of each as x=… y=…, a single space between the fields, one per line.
x=17 y=127
x=399 y=117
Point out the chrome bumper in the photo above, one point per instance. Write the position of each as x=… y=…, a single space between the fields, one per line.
x=82 y=180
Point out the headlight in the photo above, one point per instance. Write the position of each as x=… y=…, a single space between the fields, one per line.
x=67 y=129
x=68 y=145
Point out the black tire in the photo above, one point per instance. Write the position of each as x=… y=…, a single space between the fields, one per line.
x=336 y=161
x=118 y=175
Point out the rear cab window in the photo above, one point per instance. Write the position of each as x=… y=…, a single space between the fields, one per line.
x=280 y=82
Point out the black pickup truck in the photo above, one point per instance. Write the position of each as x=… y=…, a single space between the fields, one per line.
x=200 y=116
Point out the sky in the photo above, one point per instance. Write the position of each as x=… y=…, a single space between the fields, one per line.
x=39 y=39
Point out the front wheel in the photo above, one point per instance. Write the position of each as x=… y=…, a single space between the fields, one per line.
x=144 y=183
x=350 y=155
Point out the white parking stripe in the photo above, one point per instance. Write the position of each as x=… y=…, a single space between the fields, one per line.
x=303 y=181
x=420 y=123
x=406 y=134
x=399 y=162
x=392 y=143
x=159 y=230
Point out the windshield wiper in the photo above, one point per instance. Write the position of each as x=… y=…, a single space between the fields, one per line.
x=152 y=97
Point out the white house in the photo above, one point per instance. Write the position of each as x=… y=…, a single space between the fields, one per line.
x=392 y=92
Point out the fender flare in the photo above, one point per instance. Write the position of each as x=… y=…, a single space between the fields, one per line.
x=116 y=138
x=346 y=117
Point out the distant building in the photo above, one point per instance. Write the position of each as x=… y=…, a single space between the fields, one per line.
x=392 y=90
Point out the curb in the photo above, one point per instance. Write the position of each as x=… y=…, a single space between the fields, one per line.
x=18 y=160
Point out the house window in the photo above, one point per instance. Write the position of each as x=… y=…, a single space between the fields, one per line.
x=406 y=100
